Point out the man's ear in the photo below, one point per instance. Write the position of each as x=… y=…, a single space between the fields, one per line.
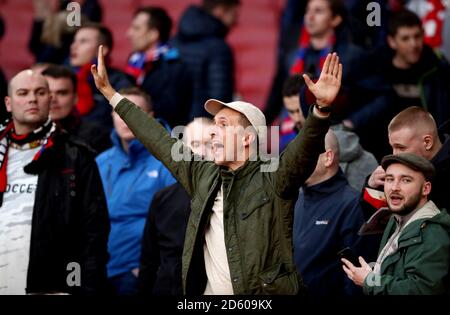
x=337 y=20
x=249 y=138
x=106 y=50
x=329 y=155
x=8 y=104
x=426 y=190
x=153 y=35
x=428 y=142
x=391 y=42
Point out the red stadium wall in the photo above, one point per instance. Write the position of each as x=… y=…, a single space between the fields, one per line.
x=254 y=39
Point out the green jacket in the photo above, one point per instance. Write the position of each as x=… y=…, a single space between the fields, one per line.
x=258 y=206
x=421 y=264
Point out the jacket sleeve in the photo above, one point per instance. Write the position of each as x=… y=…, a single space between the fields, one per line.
x=178 y=158
x=299 y=159
x=351 y=222
x=150 y=251
x=425 y=271
x=96 y=227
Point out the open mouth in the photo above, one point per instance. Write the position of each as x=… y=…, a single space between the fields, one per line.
x=216 y=145
x=395 y=199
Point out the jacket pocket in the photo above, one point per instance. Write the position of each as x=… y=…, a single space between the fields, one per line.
x=253 y=204
x=279 y=279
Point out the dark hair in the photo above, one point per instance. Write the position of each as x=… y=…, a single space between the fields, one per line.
x=58 y=72
x=104 y=34
x=134 y=90
x=403 y=18
x=158 y=19
x=338 y=8
x=292 y=85
x=209 y=5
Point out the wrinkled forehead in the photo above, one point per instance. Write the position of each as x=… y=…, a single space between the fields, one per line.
x=228 y=114
x=27 y=79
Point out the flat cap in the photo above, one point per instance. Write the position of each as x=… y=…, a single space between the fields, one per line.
x=412 y=161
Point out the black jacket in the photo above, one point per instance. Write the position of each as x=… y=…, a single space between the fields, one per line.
x=70 y=220
x=162 y=242
x=201 y=41
x=101 y=113
x=169 y=84
x=439 y=190
x=95 y=135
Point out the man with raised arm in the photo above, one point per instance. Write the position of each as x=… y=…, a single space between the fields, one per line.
x=239 y=234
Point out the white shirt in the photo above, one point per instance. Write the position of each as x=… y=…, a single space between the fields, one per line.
x=215 y=253
x=15 y=221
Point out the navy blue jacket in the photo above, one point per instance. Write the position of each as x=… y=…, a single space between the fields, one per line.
x=327 y=218
x=169 y=84
x=201 y=42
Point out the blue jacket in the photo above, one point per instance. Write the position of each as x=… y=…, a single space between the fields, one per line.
x=327 y=218
x=130 y=182
x=201 y=42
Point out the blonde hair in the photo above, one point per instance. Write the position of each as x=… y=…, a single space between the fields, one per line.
x=56 y=27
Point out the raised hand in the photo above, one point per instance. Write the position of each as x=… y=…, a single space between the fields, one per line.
x=376 y=179
x=101 y=76
x=327 y=87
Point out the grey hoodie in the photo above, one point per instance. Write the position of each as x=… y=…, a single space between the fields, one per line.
x=355 y=162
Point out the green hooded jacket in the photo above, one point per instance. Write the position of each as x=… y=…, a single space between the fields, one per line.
x=421 y=264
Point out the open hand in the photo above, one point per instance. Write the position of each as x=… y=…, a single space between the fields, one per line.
x=356 y=274
x=327 y=87
x=101 y=76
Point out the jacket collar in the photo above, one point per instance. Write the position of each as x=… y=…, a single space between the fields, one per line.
x=413 y=224
x=411 y=235
x=51 y=156
x=444 y=153
x=244 y=170
x=327 y=187
x=136 y=149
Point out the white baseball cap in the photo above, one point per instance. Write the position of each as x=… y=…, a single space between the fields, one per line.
x=254 y=115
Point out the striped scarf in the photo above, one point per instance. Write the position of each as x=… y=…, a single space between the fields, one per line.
x=298 y=67
x=140 y=63
x=42 y=136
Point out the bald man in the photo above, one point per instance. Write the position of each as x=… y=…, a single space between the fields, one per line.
x=53 y=219
x=327 y=218
x=414 y=130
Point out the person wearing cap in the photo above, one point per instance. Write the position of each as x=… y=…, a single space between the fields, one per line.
x=414 y=257
x=239 y=234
